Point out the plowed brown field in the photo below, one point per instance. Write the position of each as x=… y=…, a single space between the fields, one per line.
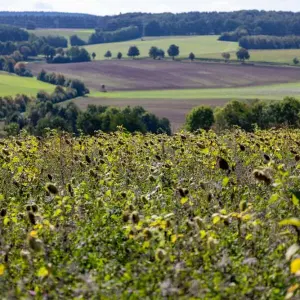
x=150 y=74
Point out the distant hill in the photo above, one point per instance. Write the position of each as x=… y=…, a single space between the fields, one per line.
x=192 y=23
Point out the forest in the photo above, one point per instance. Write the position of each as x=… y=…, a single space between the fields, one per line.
x=261 y=22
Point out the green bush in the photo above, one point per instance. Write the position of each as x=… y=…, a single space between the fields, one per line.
x=200 y=118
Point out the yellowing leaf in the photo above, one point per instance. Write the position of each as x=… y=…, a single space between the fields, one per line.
x=2 y=269
x=6 y=221
x=33 y=233
x=225 y=181
x=173 y=238
x=295 y=266
x=184 y=200
x=202 y=234
x=291 y=222
x=42 y=272
x=108 y=193
x=295 y=200
x=205 y=151
x=216 y=219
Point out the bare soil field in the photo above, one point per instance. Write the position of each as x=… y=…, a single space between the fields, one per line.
x=174 y=110
x=155 y=75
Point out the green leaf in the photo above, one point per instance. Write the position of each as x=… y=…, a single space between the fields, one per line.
x=273 y=198
x=57 y=212
x=290 y=222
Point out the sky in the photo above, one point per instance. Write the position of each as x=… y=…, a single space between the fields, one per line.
x=112 y=7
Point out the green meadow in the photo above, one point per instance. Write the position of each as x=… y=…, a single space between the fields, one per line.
x=11 y=85
x=199 y=45
x=268 y=92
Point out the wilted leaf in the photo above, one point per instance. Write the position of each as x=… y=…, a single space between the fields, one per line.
x=291 y=222
x=291 y=251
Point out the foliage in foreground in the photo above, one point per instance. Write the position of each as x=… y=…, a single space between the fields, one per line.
x=150 y=216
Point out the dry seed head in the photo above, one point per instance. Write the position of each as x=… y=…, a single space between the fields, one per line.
x=25 y=254
x=3 y=212
x=51 y=188
x=261 y=175
x=87 y=159
x=135 y=217
x=34 y=208
x=243 y=205
x=31 y=217
x=189 y=225
x=200 y=223
x=35 y=244
x=160 y=254
x=126 y=216
x=147 y=234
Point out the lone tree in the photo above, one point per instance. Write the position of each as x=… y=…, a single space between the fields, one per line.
x=119 y=55
x=153 y=52
x=93 y=55
x=25 y=51
x=108 y=54
x=226 y=56
x=192 y=56
x=161 y=53
x=242 y=54
x=133 y=51
x=201 y=117
x=173 y=51
x=296 y=61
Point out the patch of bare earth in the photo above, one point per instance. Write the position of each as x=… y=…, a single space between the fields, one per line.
x=174 y=110
x=155 y=75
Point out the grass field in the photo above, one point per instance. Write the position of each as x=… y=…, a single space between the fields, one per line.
x=11 y=85
x=82 y=33
x=268 y=92
x=285 y=56
x=199 y=45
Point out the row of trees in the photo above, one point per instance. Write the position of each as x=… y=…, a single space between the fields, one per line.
x=43 y=114
x=270 y=42
x=12 y=64
x=72 y=55
x=123 y=34
x=254 y=21
x=61 y=80
x=246 y=115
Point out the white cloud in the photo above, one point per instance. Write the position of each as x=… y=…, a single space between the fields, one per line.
x=43 y=6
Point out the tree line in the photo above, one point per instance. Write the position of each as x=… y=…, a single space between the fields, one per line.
x=202 y=23
x=43 y=114
x=247 y=115
x=270 y=42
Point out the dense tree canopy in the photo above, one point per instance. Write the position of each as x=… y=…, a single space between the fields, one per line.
x=254 y=21
x=11 y=33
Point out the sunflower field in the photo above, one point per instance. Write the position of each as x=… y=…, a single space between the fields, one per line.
x=133 y=216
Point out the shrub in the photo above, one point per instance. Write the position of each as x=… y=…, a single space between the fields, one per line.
x=199 y=118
